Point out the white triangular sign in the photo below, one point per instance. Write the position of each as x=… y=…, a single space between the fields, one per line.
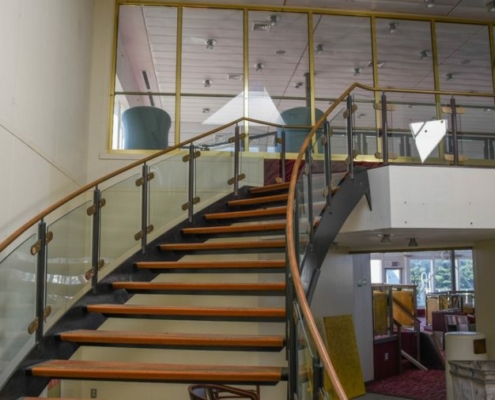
x=427 y=135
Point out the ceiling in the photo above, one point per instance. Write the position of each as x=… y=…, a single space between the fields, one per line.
x=148 y=42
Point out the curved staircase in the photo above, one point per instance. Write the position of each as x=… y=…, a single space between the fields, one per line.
x=215 y=314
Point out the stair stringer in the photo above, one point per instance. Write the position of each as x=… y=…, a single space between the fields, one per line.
x=332 y=219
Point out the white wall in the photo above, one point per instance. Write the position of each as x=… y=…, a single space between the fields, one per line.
x=484 y=278
x=44 y=100
x=426 y=197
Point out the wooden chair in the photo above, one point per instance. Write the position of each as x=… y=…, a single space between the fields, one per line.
x=206 y=391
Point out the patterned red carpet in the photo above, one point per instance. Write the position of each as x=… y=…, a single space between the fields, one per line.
x=412 y=384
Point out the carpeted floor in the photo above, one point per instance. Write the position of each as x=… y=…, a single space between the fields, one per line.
x=412 y=384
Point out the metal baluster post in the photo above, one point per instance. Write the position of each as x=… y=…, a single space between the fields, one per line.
x=144 y=209
x=328 y=163
x=283 y=156
x=95 y=249
x=350 y=142
x=317 y=378
x=455 y=145
x=384 y=130
x=190 y=199
x=41 y=283
x=310 y=193
x=236 y=160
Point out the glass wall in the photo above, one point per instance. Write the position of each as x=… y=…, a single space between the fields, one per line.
x=212 y=70
x=145 y=65
x=199 y=77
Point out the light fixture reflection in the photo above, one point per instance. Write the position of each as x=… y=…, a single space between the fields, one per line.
x=386 y=239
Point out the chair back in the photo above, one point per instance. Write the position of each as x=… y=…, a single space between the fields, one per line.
x=294 y=137
x=146 y=128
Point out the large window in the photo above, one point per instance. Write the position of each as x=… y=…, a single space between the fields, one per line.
x=430 y=271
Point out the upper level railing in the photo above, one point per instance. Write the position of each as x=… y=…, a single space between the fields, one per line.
x=63 y=251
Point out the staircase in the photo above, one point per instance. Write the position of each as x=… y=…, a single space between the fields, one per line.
x=214 y=313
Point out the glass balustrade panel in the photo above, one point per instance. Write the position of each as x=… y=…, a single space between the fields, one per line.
x=305 y=356
x=415 y=131
x=18 y=291
x=168 y=192
x=338 y=130
x=302 y=207
x=364 y=123
x=475 y=124
x=68 y=258
x=318 y=183
x=121 y=219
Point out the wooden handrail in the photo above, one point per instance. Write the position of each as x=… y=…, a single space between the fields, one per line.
x=291 y=254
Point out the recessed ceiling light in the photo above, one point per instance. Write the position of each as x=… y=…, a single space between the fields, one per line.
x=424 y=54
x=210 y=44
x=280 y=52
x=273 y=19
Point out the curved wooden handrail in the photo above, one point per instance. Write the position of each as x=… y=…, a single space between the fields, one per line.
x=291 y=254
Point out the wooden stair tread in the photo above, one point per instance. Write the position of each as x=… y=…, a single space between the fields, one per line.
x=104 y=370
x=270 y=188
x=199 y=286
x=258 y=200
x=241 y=228
x=241 y=264
x=251 y=244
x=145 y=310
x=176 y=339
x=264 y=212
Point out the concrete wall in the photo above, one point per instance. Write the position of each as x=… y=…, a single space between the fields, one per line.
x=44 y=103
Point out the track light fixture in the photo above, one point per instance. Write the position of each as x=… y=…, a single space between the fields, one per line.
x=385 y=239
x=207 y=83
x=392 y=27
x=259 y=67
x=429 y=3
x=210 y=44
x=490 y=6
x=449 y=76
x=357 y=71
x=319 y=49
x=424 y=54
x=273 y=19
x=298 y=85
x=412 y=243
